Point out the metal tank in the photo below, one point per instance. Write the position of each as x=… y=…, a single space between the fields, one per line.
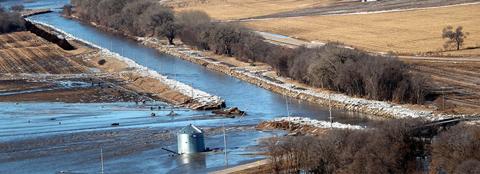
x=190 y=140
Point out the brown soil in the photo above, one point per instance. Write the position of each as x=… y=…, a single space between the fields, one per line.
x=24 y=52
x=458 y=81
x=29 y=62
x=293 y=128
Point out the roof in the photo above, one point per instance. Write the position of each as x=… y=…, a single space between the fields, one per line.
x=190 y=129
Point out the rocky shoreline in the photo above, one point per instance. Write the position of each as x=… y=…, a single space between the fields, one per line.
x=338 y=101
x=302 y=125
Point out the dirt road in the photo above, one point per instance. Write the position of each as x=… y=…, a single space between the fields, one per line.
x=354 y=7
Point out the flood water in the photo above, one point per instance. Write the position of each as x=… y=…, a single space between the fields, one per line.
x=20 y=121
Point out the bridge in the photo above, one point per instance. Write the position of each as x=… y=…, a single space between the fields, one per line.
x=431 y=129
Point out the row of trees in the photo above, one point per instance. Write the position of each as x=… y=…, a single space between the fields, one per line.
x=10 y=21
x=140 y=18
x=386 y=149
x=457 y=150
x=332 y=66
x=345 y=70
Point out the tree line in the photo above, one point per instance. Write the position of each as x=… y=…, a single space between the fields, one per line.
x=351 y=71
x=388 y=148
x=10 y=21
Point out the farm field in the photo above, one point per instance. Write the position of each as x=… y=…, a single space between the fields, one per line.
x=457 y=81
x=24 y=52
x=33 y=69
x=407 y=32
x=236 y=9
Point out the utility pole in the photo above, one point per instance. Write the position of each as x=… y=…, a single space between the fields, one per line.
x=443 y=98
x=225 y=144
x=286 y=102
x=330 y=110
x=191 y=85
x=101 y=159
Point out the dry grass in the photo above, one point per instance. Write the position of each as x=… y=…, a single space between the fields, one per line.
x=236 y=9
x=403 y=32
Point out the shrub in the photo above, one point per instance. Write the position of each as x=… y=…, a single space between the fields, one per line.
x=102 y=62
x=456 y=150
x=389 y=148
x=10 y=21
x=17 y=8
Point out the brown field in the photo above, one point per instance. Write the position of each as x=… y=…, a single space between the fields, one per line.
x=236 y=9
x=30 y=63
x=24 y=52
x=416 y=31
x=458 y=81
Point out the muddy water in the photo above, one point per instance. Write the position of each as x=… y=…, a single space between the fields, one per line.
x=38 y=122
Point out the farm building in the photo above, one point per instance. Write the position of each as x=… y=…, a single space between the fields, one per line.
x=190 y=139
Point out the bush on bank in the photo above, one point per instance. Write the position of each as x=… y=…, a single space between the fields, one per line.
x=388 y=148
x=10 y=21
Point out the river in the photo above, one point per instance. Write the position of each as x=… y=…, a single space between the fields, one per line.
x=260 y=104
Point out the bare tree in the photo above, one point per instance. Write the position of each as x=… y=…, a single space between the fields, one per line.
x=389 y=148
x=17 y=8
x=455 y=37
x=67 y=10
x=10 y=21
x=169 y=30
x=456 y=150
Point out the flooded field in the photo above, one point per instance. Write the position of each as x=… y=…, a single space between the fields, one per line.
x=68 y=137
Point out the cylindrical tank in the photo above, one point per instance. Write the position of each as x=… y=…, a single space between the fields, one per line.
x=190 y=140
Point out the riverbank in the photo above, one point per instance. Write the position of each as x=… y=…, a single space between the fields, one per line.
x=131 y=76
x=301 y=125
x=263 y=76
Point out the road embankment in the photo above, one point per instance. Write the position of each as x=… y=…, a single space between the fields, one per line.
x=142 y=79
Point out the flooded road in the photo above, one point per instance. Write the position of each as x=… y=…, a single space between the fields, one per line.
x=53 y=137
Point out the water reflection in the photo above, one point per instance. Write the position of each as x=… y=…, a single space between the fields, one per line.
x=192 y=162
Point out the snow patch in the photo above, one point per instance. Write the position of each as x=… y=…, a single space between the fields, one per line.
x=316 y=123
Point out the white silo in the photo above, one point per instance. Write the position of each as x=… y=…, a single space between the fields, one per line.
x=190 y=140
